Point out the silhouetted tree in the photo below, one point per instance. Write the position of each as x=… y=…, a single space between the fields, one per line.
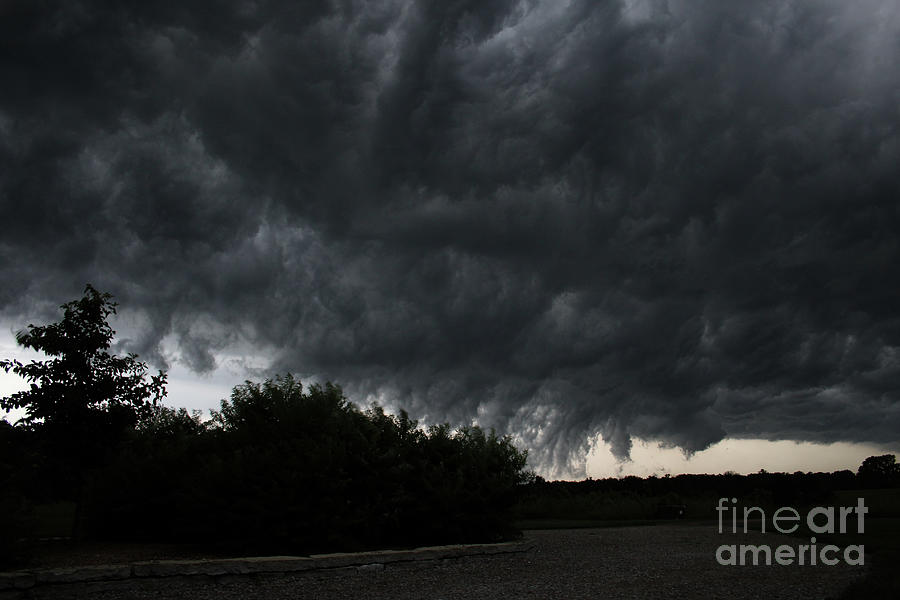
x=877 y=471
x=82 y=398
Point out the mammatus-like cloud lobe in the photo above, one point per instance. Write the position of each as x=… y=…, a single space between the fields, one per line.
x=671 y=220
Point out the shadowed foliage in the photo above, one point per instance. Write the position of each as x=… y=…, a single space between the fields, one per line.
x=880 y=471
x=283 y=468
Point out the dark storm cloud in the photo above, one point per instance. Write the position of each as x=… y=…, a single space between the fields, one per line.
x=676 y=221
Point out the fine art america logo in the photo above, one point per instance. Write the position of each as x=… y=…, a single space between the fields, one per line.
x=819 y=520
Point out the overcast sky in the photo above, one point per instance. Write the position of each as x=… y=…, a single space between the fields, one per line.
x=667 y=221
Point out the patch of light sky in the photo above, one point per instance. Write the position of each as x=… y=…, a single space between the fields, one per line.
x=185 y=388
x=738 y=455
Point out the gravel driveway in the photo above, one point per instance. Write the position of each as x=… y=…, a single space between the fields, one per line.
x=665 y=561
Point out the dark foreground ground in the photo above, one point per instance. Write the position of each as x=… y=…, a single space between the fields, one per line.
x=664 y=561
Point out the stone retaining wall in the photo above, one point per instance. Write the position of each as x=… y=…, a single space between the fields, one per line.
x=19 y=581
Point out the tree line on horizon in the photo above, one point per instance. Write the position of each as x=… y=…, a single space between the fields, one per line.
x=279 y=468
x=632 y=497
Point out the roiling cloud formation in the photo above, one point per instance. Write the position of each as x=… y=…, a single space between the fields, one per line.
x=672 y=220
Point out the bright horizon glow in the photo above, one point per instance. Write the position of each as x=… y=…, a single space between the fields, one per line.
x=741 y=456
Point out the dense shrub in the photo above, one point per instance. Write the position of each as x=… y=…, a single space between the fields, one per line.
x=280 y=468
